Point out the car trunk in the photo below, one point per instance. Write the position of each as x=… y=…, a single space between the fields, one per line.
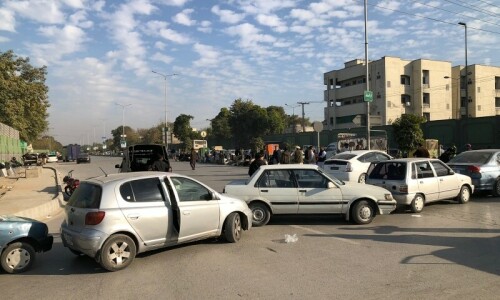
x=336 y=165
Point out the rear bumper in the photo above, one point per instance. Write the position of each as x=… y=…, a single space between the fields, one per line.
x=88 y=242
x=404 y=199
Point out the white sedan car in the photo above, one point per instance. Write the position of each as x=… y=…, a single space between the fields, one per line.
x=353 y=165
x=306 y=189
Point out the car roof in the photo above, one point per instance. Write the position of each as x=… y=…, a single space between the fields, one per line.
x=409 y=159
x=289 y=166
x=116 y=177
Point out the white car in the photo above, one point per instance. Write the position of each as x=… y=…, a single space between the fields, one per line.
x=306 y=189
x=415 y=182
x=52 y=158
x=353 y=165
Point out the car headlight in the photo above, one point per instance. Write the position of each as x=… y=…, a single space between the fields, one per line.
x=388 y=197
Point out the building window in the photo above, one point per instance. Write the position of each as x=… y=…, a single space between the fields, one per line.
x=497 y=102
x=405 y=80
x=406 y=100
x=497 y=83
x=388 y=84
x=479 y=89
x=425 y=76
x=463 y=102
x=427 y=100
x=427 y=116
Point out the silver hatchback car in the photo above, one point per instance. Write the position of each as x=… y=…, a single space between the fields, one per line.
x=112 y=218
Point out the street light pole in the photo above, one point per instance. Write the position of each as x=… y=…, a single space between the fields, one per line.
x=123 y=120
x=166 y=126
x=303 y=115
x=367 y=78
x=293 y=115
x=466 y=73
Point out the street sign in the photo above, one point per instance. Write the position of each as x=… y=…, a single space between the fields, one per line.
x=358 y=119
x=317 y=126
x=368 y=96
x=203 y=133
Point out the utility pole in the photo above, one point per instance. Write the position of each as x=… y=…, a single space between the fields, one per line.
x=165 y=76
x=367 y=79
x=303 y=115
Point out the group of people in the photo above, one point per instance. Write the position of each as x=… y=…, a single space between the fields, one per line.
x=308 y=156
x=445 y=156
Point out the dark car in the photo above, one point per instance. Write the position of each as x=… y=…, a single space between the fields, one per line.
x=83 y=158
x=20 y=239
x=482 y=166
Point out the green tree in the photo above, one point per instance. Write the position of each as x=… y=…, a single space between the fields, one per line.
x=256 y=145
x=221 y=126
x=276 y=120
x=182 y=127
x=247 y=121
x=23 y=96
x=407 y=131
x=131 y=136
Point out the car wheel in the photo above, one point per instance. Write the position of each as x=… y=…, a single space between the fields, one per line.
x=18 y=257
x=117 y=252
x=417 y=205
x=260 y=214
x=232 y=228
x=496 y=188
x=362 y=178
x=363 y=212
x=464 y=195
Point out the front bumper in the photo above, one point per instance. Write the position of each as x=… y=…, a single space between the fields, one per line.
x=386 y=206
x=46 y=243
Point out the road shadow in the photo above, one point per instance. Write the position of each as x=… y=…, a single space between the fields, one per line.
x=480 y=253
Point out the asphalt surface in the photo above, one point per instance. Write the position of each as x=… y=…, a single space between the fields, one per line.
x=32 y=192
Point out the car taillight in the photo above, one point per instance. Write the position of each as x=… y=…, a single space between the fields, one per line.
x=403 y=189
x=94 y=218
x=348 y=167
x=474 y=169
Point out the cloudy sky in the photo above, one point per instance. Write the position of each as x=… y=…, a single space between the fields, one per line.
x=273 y=52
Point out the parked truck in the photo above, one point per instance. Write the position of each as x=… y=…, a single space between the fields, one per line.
x=71 y=152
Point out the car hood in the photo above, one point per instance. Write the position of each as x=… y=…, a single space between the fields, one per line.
x=9 y=218
x=355 y=189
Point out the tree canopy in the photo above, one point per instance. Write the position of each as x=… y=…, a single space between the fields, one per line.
x=23 y=96
x=407 y=131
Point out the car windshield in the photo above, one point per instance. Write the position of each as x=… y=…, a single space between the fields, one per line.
x=345 y=156
x=472 y=157
x=87 y=195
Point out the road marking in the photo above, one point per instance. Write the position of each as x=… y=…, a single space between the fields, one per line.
x=323 y=233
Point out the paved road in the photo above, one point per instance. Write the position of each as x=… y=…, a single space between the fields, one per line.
x=447 y=251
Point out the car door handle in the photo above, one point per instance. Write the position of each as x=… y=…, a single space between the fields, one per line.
x=264 y=191
x=186 y=212
x=133 y=217
x=302 y=191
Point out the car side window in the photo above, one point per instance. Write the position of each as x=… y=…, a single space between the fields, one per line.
x=277 y=179
x=368 y=157
x=189 y=190
x=310 y=179
x=142 y=190
x=440 y=169
x=424 y=169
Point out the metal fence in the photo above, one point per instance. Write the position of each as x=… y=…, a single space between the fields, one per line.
x=10 y=144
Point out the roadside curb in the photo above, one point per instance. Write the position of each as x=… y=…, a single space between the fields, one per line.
x=46 y=210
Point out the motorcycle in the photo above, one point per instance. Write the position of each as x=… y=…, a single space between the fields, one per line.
x=71 y=183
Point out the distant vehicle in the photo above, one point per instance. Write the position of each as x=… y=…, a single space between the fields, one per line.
x=331 y=150
x=20 y=239
x=482 y=166
x=83 y=158
x=306 y=189
x=352 y=165
x=112 y=218
x=71 y=152
x=415 y=182
x=52 y=158
x=140 y=157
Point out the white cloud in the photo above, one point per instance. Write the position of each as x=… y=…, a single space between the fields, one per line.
x=80 y=19
x=173 y=2
x=63 y=41
x=265 y=6
x=391 y=5
x=163 y=58
x=160 y=45
x=272 y=21
x=159 y=28
x=209 y=57
x=205 y=27
x=227 y=16
x=47 y=12
x=184 y=18
x=8 y=22
x=249 y=35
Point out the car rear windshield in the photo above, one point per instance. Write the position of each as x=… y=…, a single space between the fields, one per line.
x=87 y=195
x=472 y=157
x=389 y=171
x=345 y=156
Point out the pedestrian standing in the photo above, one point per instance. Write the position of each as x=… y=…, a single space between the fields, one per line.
x=421 y=151
x=297 y=156
x=321 y=157
x=311 y=156
x=193 y=158
x=160 y=164
x=276 y=158
x=256 y=163
x=468 y=147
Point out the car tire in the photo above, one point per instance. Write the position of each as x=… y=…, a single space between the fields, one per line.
x=362 y=212
x=117 y=253
x=417 y=204
x=260 y=214
x=496 y=188
x=464 y=195
x=232 y=228
x=18 y=257
x=362 y=178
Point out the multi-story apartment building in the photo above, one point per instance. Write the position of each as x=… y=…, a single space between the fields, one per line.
x=423 y=87
x=483 y=91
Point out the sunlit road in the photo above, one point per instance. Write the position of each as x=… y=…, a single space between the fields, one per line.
x=447 y=251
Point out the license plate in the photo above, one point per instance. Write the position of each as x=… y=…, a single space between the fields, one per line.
x=68 y=239
x=334 y=168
